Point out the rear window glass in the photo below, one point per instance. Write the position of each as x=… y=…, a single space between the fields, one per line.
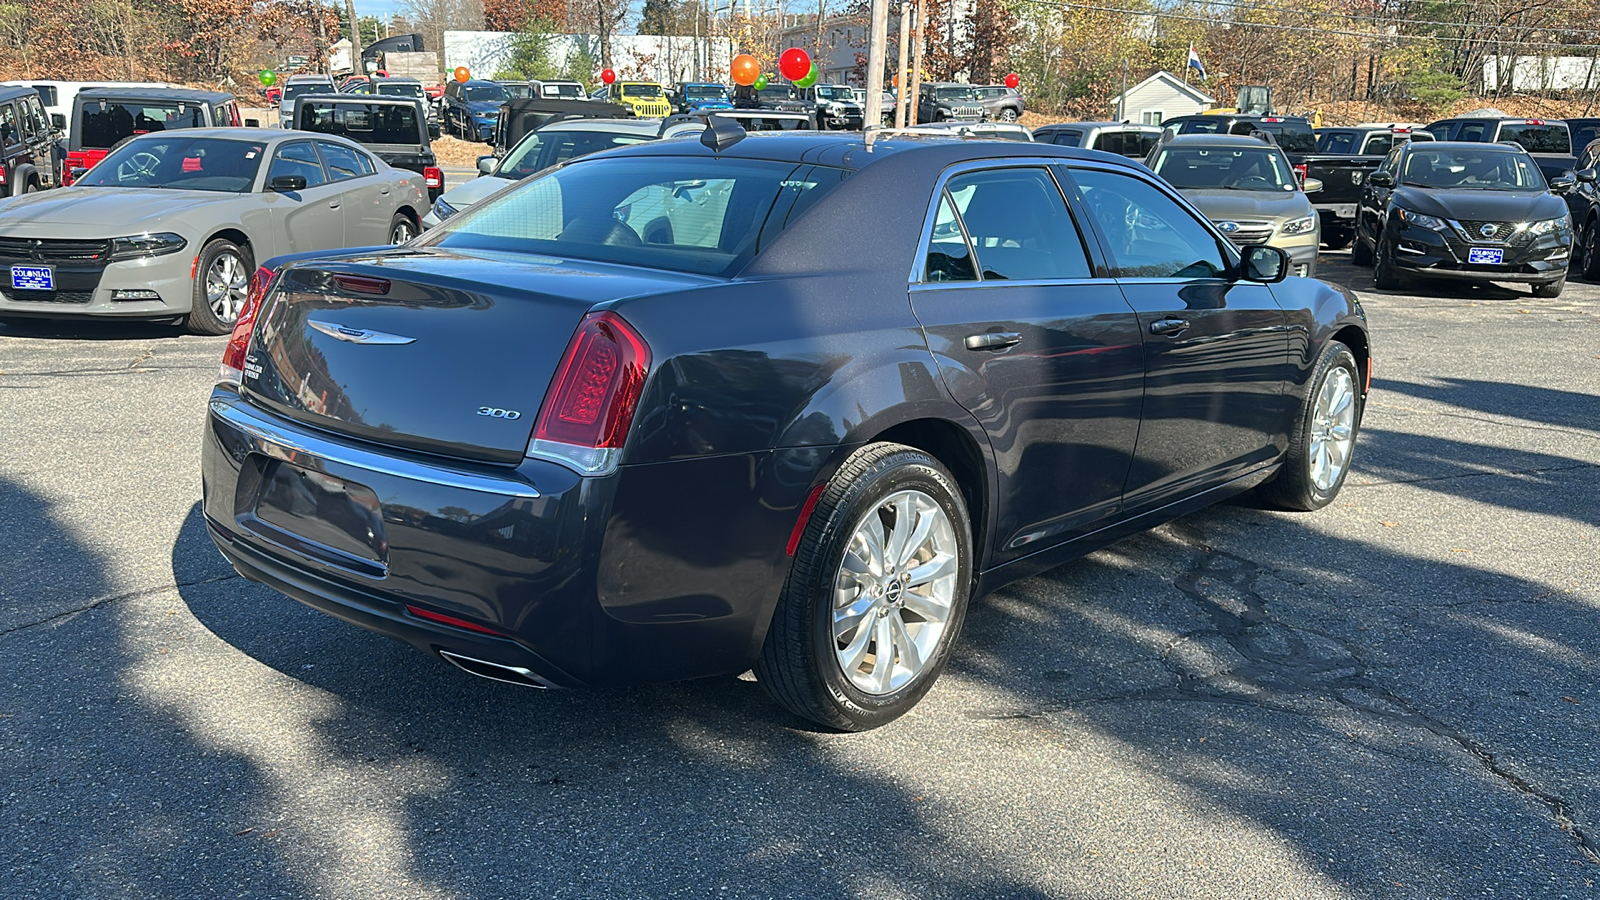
x=105 y=122
x=1293 y=137
x=1133 y=144
x=1337 y=142
x=365 y=123
x=401 y=89
x=1546 y=138
x=698 y=215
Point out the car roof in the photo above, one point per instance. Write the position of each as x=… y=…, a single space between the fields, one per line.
x=307 y=76
x=9 y=92
x=1497 y=146
x=1134 y=125
x=651 y=127
x=113 y=92
x=1215 y=140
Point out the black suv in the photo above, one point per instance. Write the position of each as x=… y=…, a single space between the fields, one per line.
x=1549 y=140
x=943 y=101
x=30 y=147
x=395 y=129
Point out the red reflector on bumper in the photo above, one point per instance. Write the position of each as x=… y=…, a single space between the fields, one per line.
x=805 y=516
x=452 y=621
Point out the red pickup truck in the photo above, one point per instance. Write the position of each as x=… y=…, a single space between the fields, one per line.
x=104 y=117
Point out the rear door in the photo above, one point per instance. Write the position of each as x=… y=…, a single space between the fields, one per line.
x=1035 y=341
x=311 y=218
x=1216 y=349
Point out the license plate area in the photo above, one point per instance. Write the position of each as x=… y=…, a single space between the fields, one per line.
x=1485 y=256
x=316 y=514
x=33 y=278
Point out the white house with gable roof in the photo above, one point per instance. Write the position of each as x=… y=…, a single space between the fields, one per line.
x=1157 y=98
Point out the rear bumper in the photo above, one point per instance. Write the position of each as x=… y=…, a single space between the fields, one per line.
x=656 y=572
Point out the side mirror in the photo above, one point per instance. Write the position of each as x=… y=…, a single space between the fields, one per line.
x=1381 y=179
x=1587 y=176
x=252 y=123
x=1267 y=265
x=1312 y=185
x=288 y=184
x=1563 y=183
x=77 y=173
x=486 y=165
x=58 y=121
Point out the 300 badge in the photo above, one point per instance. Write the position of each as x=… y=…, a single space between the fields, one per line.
x=496 y=413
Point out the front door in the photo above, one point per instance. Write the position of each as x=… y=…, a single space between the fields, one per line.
x=1216 y=348
x=311 y=218
x=368 y=202
x=1039 y=346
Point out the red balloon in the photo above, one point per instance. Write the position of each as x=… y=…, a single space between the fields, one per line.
x=794 y=63
x=608 y=76
x=1012 y=81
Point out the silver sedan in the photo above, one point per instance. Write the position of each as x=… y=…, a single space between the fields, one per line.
x=171 y=225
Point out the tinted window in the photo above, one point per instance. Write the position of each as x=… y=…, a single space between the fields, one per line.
x=1066 y=138
x=185 y=163
x=106 y=122
x=1292 y=137
x=1547 y=138
x=1210 y=125
x=298 y=159
x=687 y=214
x=399 y=89
x=1237 y=168
x=377 y=123
x=1585 y=134
x=343 y=162
x=1336 y=142
x=10 y=132
x=1378 y=144
x=541 y=150
x=1470 y=131
x=1441 y=130
x=1147 y=233
x=949 y=256
x=47 y=93
x=1475 y=170
x=1132 y=144
x=1018 y=225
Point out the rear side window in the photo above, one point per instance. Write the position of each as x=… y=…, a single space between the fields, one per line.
x=47 y=93
x=949 y=254
x=1470 y=131
x=1147 y=233
x=1585 y=134
x=1542 y=138
x=1441 y=130
x=344 y=162
x=698 y=215
x=1016 y=224
x=1378 y=144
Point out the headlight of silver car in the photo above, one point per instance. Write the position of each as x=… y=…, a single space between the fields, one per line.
x=142 y=245
x=1548 y=226
x=1302 y=225
x=443 y=210
x=1432 y=223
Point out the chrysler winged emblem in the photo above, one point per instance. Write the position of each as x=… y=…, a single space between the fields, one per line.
x=358 y=335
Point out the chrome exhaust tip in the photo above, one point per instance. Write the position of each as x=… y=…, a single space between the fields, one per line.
x=495 y=671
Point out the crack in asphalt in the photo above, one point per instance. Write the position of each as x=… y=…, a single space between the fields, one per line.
x=1500 y=474
x=113 y=598
x=134 y=368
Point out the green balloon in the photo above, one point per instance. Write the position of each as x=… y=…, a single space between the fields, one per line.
x=268 y=77
x=810 y=77
x=761 y=82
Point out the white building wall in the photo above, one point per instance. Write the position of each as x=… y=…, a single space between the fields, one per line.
x=642 y=56
x=1542 y=73
x=1159 y=100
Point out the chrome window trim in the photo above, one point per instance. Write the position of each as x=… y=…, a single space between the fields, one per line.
x=298 y=447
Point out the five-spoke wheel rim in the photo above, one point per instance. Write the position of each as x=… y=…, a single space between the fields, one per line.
x=894 y=590
x=1333 y=428
x=227 y=286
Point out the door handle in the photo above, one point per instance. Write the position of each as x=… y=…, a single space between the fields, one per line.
x=333 y=204
x=993 y=340
x=1172 y=327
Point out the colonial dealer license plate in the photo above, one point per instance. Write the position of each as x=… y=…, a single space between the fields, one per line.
x=1491 y=256
x=33 y=278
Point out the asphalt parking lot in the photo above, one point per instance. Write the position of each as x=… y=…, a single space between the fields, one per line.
x=1393 y=697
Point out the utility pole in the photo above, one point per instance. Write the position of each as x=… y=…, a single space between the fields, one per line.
x=902 y=77
x=876 y=50
x=356 y=64
x=920 y=37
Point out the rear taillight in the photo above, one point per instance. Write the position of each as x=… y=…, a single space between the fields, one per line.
x=232 y=369
x=433 y=176
x=1300 y=173
x=591 y=402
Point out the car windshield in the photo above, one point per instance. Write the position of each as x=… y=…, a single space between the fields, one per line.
x=483 y=93
x=182 y=163
x=562 y=91
x=518 y=91
x=1538 y=137
x=1479 y=170
x=834 y=92
x=291 y=91
x=541 y=150
x=686 y=214
x=954 y=93
x=368 y=123
x=780 y=92
x=105 y=123
x=642 y=91
x=1232 y=168
x=399 y=89
x=705 y=92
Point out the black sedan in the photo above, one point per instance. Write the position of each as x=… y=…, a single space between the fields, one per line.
x=1478 y=212
x=786 y=402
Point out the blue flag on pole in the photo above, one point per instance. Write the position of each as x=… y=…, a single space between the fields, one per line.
x=1194 y=61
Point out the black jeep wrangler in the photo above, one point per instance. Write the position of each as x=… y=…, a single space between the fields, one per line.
x=395 y=129
x=30 y=146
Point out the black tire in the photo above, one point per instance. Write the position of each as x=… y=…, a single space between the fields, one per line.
x=1360 y=254
x=202 y=319
x=799 y=665
x=1384 y=277
x=1550 y=289
x=1294 y=486
x=401 y=220
x=1591 y=251
x=32 y=187
x=1337 y=238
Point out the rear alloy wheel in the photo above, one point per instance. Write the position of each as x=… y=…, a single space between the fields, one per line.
x=1323 y=436
x=1008 y=115
x=1550 y=289
x=876 y=595
x=221 y=285
x=1384 y=277
x=401 y=229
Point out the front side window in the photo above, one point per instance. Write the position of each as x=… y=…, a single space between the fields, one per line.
x=1148 y=234
x=298 y=158
x=1017 y=225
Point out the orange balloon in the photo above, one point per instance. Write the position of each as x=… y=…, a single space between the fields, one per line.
x=745 y=69
x=462 y=73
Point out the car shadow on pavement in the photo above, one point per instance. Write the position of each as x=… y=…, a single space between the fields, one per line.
x=1548 y=406
x=85 y=329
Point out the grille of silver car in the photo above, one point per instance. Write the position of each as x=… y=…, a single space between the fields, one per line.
x=1250 y=233
x=53 y=251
